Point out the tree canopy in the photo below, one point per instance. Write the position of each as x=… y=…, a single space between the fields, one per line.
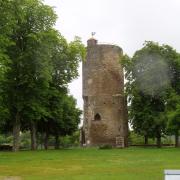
x=153 y=76
x=36 y=65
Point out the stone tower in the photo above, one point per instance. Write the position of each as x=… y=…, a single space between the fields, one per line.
x=105 y=112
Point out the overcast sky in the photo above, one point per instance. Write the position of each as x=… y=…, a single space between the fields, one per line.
x=127 y=23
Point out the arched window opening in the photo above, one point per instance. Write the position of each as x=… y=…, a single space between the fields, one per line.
x=97 y=117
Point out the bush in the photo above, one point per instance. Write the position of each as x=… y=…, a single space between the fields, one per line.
x=25 y=140
x=70 y=141
x=135 y=139
x=105 y=146
x=6 y=139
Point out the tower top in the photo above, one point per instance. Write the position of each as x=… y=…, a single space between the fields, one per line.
x=91 y=42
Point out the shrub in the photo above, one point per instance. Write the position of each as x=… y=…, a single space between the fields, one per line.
x=105 y=146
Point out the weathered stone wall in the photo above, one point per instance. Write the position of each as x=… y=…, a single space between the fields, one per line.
x=103 y=85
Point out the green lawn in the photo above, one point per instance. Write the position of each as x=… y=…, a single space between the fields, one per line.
x=90 y=164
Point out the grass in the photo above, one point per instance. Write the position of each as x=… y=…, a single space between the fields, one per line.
x=90 y=164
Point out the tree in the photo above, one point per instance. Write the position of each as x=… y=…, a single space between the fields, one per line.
x=28 y=57
x=63 y=117
x=67 y=122
x=36 y=62
x=65 y=61
x=173 y=114
x=173 y=100
x=141 y=115
x=150 y=74
x=7 y=23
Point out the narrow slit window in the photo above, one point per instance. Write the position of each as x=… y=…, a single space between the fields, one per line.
x=97 y=117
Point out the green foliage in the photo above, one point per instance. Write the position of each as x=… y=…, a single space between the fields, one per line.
x=173 y=113
x=5 y=139
x=36 y=65
x=152 y=74
x=28 y=70
x=25 y=140
x=70 y=140
x=105 y=146
x=136 y=139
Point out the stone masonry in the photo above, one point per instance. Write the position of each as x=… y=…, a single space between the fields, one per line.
x=105 y=109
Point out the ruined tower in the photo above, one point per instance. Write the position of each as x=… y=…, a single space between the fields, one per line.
x=105 y=113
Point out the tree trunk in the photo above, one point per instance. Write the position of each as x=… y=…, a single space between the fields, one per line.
x=33 y=136
x=146 y=140
x=46 y=140
x=177 y=139
x=16 y=133
x=56 y=141
x=159 y=145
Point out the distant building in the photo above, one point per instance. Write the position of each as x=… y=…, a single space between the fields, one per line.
x=105 y=108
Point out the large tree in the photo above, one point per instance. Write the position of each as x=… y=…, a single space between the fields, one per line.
x=29 y=70
x=150 y=73
x=63 y=118
x=36 y=62
x=65 y=61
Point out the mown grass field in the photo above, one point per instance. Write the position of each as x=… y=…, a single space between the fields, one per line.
x=90 y=164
